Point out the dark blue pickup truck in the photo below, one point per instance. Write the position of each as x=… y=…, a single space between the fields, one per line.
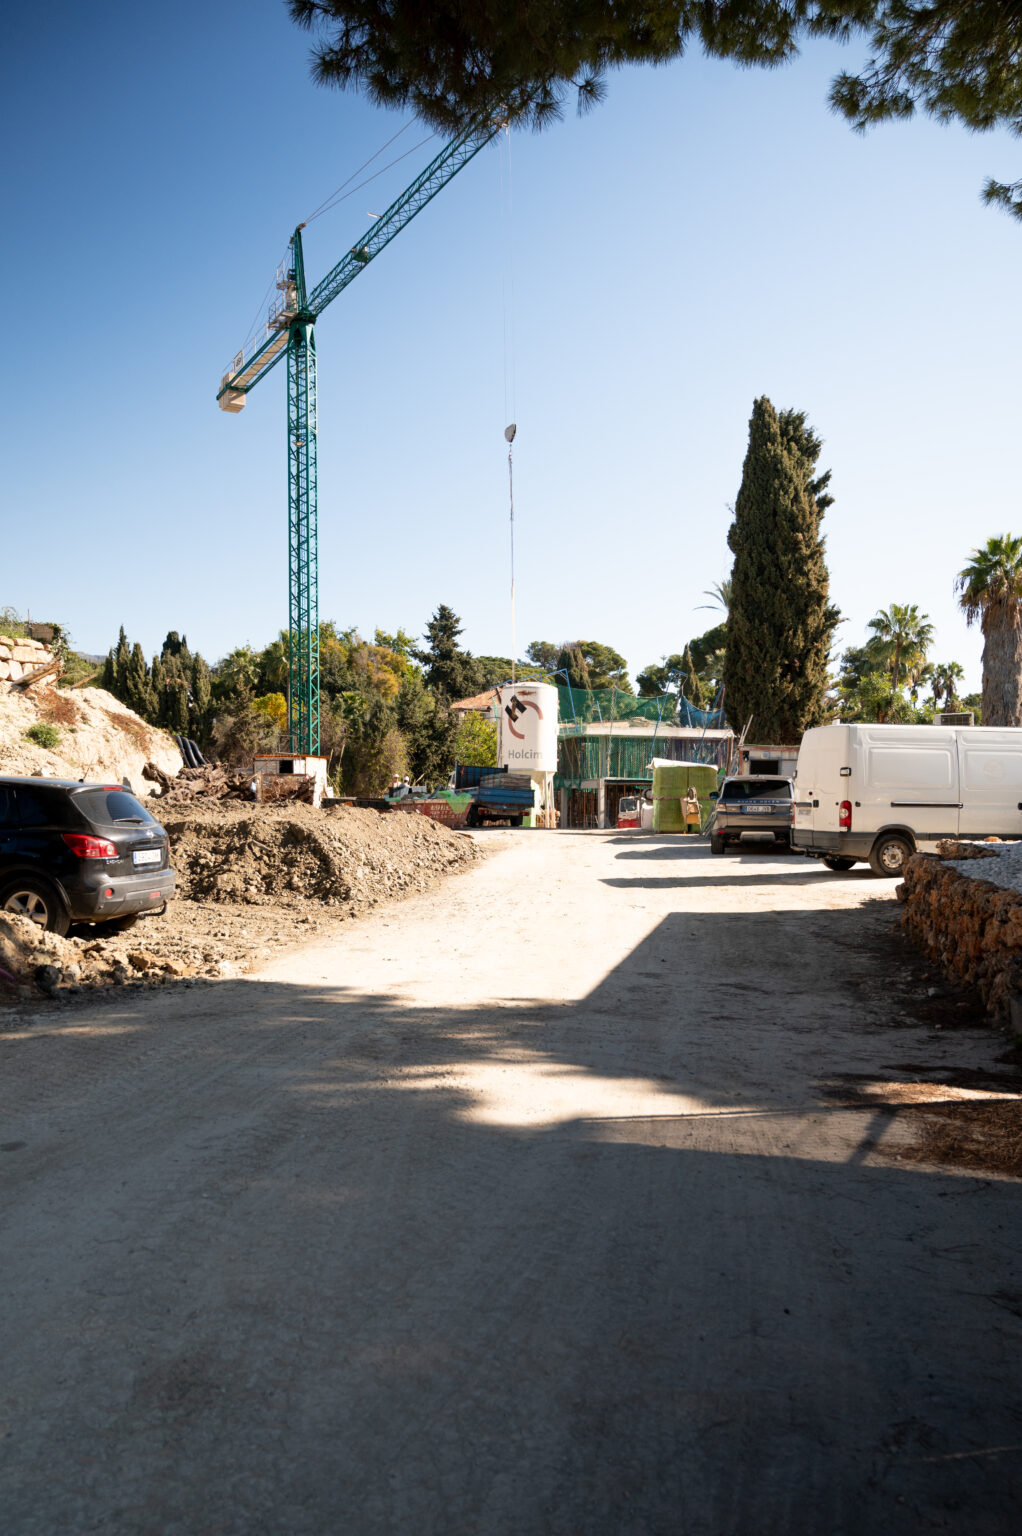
x=502 y=796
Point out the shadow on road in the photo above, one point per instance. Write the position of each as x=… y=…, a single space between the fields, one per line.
x=304 y=1259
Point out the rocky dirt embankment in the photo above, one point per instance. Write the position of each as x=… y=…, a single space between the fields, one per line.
x=252 y=880
x=969 y=926
x=97 y=737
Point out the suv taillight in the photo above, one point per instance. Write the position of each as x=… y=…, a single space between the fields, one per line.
x=85 y=847
x=844 y=819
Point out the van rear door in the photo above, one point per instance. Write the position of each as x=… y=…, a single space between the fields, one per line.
x=990 y=762
x=819 y=785
x=910 y=777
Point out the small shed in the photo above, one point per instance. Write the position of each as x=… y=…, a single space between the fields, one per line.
x=273 y=774
x=776 y=762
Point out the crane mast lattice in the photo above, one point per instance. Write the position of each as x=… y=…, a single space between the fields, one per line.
x=290 y=330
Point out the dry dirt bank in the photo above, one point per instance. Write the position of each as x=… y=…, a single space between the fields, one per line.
x=553 y=1202
x=98 y=736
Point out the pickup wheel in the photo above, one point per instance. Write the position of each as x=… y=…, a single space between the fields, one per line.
x=833 y=862
x=718 y=843
x=890 y=855
x=32 y=897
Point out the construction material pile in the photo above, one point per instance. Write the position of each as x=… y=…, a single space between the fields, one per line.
x=252 y=879
x=270 y=854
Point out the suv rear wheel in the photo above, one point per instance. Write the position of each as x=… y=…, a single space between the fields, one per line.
x=890 y=855
x=29 y=896
x=718 y=844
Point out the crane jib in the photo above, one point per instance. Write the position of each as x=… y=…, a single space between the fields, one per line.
x=451 y=159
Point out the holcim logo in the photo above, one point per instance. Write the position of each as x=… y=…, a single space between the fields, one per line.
x=518 y=707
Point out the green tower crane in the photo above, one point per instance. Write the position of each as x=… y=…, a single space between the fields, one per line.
x=290 y=330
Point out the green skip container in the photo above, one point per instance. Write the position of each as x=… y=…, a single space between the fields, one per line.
x=671 y=782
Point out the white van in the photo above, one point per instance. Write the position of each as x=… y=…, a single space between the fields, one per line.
x=880 y=792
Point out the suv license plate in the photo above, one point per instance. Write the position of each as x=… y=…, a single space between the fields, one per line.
x=148 y=856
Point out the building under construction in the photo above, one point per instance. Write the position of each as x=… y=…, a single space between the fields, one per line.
x=608 y=739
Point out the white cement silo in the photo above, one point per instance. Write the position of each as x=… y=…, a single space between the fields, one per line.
x=528 y=728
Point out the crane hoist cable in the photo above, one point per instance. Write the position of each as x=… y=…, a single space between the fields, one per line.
x=348 y=180
x=508 y=309
x=339 y=197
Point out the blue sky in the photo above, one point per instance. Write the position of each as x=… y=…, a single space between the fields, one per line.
x=706 y=236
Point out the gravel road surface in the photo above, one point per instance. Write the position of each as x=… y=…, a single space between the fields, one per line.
x=519 y=1208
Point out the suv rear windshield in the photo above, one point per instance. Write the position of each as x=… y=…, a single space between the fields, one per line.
x=756 y=788
x=106 y=807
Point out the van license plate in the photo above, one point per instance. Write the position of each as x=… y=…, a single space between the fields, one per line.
x=148 y=856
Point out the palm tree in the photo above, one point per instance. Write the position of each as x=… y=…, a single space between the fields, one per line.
x=920 y=672
x=901 y=634
x=990 y=590
x=946 y=677
x=721 y=594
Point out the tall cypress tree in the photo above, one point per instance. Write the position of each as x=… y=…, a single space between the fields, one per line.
x=692 y=687
x=122 y=655
x=135 y=686
x=780 y=621
x=201 y=694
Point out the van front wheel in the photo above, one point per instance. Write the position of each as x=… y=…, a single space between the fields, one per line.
x=889 y=856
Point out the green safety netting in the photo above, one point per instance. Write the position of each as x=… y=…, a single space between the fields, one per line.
x=606 y=706
x=618 y=755
x=622 y=757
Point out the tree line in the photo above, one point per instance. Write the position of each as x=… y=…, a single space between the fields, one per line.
x=385 y=704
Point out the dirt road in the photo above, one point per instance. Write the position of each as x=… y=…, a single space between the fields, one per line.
x=518 y=1210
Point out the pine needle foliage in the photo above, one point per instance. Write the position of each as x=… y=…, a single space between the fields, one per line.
x=453 y=61
x=781 y=621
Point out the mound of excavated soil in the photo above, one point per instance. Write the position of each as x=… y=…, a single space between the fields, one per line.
x=294 y=854
x=252 y=879
x=100 y=738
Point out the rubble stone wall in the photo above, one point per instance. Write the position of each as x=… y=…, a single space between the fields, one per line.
x=969 y=927
x=19 y=656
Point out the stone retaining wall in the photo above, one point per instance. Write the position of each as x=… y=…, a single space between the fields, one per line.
x=19 y=656
x=971 y=928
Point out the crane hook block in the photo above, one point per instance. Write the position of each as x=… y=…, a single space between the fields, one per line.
x=361 y=253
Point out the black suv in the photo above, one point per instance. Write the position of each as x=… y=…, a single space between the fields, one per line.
x=77 y=852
